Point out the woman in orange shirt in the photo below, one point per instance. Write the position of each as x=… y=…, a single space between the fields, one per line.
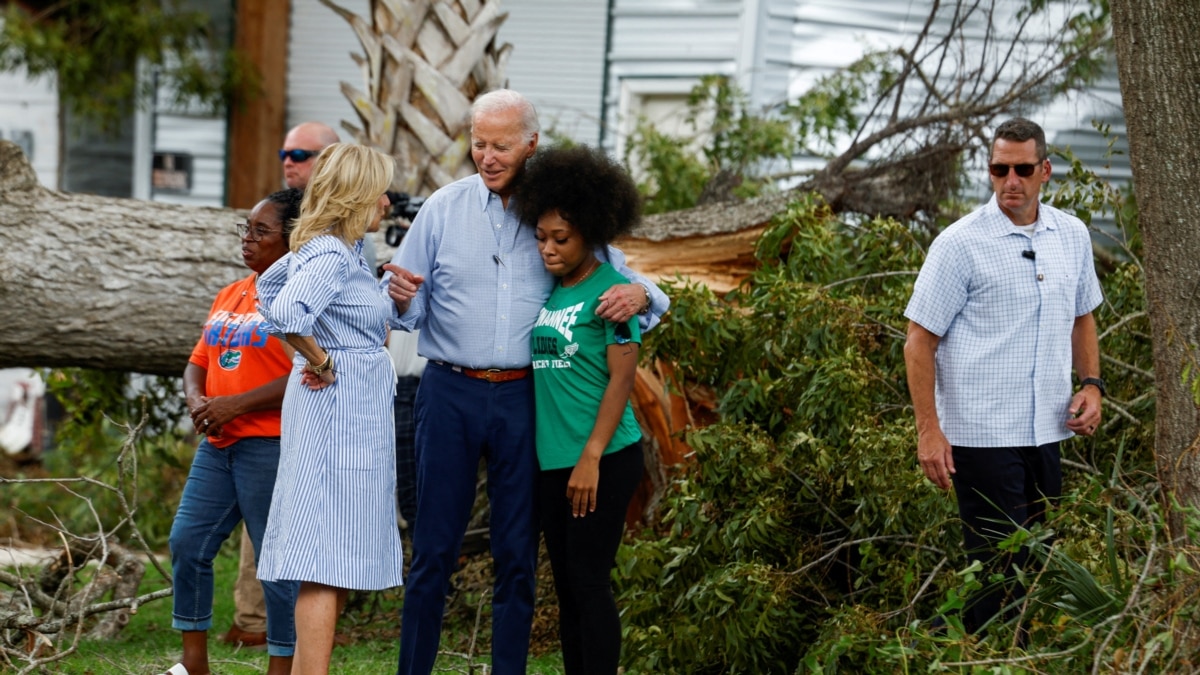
x=234 y=383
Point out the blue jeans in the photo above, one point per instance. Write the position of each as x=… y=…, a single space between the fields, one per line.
x=224 y=487
x=459 y=421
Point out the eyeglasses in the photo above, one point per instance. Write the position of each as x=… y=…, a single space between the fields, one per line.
x=256 y=232
x=1023 y=170
x=298 y=156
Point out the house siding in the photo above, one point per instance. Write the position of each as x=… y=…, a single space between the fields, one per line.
x=203 y=137
x=558 y=61
x=29 y=118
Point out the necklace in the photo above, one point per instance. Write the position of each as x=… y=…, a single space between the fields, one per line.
x=593 y=268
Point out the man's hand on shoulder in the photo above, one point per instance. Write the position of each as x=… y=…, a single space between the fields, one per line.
x=402 y=286
x=622 y=302
x=936 y=457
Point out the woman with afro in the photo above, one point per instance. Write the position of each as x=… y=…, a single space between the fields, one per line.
x=588 y=442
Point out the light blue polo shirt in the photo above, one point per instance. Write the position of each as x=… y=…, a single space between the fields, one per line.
x=1005 y=318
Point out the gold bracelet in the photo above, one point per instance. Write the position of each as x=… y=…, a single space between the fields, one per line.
x=327 y=364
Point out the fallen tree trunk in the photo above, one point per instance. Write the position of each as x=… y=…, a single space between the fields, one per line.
x=124 y=284
x=117 y=284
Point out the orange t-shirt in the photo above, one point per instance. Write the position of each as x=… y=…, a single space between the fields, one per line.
x=239 y=355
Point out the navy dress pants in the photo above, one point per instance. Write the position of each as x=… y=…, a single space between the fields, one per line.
x=999 y=489
x=461 y=420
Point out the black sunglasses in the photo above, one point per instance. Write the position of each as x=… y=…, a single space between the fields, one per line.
x=298 y=156
x=1001 y=170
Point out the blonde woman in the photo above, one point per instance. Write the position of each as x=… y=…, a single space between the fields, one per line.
x=332 y=523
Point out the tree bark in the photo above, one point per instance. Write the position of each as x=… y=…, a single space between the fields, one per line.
x=1158 y=60
x=117 y=284
x=122 y=284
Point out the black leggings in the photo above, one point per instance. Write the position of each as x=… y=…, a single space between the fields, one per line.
x=582 y=554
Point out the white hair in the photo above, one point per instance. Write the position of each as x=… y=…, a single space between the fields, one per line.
x=507 y=99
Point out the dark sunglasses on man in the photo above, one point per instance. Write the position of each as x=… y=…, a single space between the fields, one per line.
x=1023 y=170
x=298 y=156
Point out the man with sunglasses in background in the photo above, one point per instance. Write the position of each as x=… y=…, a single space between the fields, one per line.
x=1001 y=311
x=300 y=147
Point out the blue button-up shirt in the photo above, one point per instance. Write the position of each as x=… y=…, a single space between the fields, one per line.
x=484 y=279
x=1005 y=318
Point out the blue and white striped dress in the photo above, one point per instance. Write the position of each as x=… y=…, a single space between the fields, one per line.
x=333 y=512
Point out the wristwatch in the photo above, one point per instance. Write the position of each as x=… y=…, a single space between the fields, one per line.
x=1095 y=382
x=645 y=310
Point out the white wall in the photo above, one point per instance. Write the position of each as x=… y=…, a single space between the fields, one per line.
x=319 y=47
x=557 y=61
x=29 y=117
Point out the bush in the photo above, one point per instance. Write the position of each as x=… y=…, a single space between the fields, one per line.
x=804 y=537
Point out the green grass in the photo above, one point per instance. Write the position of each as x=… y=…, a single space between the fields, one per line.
x=148 y=644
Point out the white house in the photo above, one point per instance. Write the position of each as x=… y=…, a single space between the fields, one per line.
x=591 y=66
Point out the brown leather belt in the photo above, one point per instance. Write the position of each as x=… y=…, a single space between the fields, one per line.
x=491 y=374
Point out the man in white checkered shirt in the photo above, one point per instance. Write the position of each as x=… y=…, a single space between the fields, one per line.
x=1001 y=311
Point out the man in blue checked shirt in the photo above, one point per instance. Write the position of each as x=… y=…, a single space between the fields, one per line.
x=468 y=275
x=1001 y=311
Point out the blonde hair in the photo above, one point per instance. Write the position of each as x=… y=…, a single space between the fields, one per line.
x=346 y=183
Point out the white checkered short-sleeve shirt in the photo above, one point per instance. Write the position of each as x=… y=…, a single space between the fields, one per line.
x=1005 y=318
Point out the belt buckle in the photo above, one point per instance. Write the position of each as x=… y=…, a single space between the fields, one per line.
x=492 y=375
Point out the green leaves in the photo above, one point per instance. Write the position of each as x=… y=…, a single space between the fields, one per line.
x=727 y=149
x=669 y=174
x=806 y=492
x=804 y=537
x=94 y=47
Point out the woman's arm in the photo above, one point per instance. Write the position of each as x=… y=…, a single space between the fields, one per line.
x=220 y=410
x=622 y=368
x=320 y=369
x=210 y=414
x=194 y=378
x=316 y=278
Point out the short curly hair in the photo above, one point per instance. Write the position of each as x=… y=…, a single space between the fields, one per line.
x=587 y=188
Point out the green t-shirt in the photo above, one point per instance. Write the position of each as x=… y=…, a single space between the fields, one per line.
x=570 y=370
